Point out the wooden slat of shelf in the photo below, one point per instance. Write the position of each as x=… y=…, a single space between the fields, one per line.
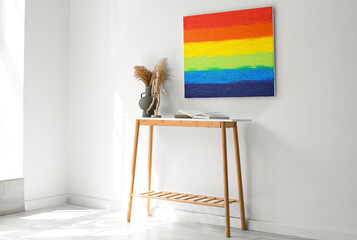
x=146 y=193
x=198 y=199
x=186 y=198
x=218 y=201
x=180 y=200
x=154 y=193
x=174 y=195
x=163 y=194
x=189 y=198
x=210 y=199
x=181 y=196
x=170 y=195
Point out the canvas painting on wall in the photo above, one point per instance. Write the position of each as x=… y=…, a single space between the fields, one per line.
x=229 y=54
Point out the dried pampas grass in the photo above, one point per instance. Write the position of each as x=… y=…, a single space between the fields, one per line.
x=162 y=70
x=143 y=74
x=147 y=77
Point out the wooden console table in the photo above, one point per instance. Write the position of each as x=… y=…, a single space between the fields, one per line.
x=190 y=198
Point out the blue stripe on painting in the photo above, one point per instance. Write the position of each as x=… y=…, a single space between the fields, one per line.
x=229 y=75
x=237 y=89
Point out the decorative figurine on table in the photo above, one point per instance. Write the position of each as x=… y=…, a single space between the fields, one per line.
x=153 y=81
x=157 y=82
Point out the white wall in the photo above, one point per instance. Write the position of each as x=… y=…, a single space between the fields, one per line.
x=298 y=155
x=90 y=103
x=45 y=102
x=12 y=14
x=12 y=31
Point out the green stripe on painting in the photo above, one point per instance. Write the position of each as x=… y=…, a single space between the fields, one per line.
x=229 y=62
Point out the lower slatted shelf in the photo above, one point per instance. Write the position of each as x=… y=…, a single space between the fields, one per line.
x=186 y=198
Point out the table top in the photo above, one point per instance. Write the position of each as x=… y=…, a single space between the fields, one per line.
x=196 y=119
x=190 y=122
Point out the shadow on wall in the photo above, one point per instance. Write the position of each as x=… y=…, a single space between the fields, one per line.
x=123 y=129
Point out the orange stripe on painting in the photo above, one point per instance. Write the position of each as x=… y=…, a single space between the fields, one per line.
x=232 y=18
x=227 y=33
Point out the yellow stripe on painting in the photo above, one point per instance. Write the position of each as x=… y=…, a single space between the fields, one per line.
x=228 y=47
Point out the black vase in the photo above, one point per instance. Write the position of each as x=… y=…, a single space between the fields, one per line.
x=145 y=101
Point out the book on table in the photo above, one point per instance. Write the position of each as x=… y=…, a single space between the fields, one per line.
x=200 y=115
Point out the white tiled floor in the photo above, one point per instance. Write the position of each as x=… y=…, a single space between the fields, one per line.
x=73 y=222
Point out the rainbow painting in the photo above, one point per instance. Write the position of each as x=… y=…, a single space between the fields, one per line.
x=229 y=54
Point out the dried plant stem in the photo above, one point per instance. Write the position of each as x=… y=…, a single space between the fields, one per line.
x=143 y=74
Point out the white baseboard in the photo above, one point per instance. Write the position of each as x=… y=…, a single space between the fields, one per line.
x=302 y=231
x=256 y=225
x=51 y=201
x=94 y=202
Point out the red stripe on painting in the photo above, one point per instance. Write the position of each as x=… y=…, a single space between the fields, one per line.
x=226 y=19
x=227 y=33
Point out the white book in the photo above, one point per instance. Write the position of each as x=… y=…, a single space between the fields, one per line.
x=203 y=115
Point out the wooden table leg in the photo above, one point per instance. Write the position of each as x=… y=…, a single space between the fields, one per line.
x=149 y=166
x=225 y=180
x=135 y=150
x=239 y=177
